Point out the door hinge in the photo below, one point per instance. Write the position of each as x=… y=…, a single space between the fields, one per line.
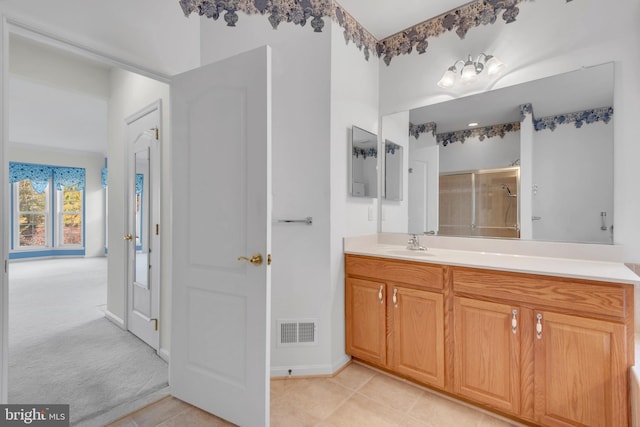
x=157 y=229
x=155 y=323
x=157 y=134
x=6 y=266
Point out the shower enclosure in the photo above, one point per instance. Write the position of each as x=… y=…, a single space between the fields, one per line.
x=480 y=203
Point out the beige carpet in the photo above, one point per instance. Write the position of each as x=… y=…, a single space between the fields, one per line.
x=63 y=350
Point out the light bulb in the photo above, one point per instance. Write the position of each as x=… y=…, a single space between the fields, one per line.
x=494 y=65
x=448 y=78
x=468 y=72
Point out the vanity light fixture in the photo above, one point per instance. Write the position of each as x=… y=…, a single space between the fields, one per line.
x=470 y=70
x=472 y=124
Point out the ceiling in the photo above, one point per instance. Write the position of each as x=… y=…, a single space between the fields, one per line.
x=580 y=90
x=383 y=18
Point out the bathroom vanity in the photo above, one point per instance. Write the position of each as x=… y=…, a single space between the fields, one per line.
x=548 y=341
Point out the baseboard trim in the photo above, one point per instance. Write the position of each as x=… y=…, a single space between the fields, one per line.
x=114 y=319
x=164 y=354
x=310 y=370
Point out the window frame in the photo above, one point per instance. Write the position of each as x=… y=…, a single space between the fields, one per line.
x=16 y=212
x=58 y=217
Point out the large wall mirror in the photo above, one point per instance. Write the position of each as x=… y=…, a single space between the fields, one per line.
x=364 y=163
x=531 y=161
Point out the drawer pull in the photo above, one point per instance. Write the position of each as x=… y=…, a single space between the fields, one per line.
x=380 y=294
x=539 y=326
x=514 y=321
x=395 y=298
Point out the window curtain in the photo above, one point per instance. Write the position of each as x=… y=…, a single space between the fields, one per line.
x=139 y=180
x=39 y=176
x=68 y=177
x=104 y=177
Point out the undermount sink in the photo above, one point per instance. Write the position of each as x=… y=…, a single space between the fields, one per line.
x=409 y=252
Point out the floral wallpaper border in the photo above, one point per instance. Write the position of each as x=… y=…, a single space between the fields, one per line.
x=416 y=130
x=369 y=152
x=299 y=12
x=474 y=14
x=447 y=138
x=481 y=133
x=578 y=118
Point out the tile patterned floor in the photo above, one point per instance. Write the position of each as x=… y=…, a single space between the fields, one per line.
x=357 y=396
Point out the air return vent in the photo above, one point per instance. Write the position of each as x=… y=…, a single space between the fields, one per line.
x=297 y=332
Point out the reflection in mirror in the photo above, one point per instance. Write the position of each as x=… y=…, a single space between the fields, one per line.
x=364 y=163
x=393 y=171
x=554 y=139
x=480 y=203
x=142 y=221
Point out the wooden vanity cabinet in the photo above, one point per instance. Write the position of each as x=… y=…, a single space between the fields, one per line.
x=580 y=372
x=395 y=316
x=418 y=335
x=550 y=351
x=366 y=325
x=553 y=351
x=487 y=353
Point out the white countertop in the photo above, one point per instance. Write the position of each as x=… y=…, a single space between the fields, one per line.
x=555 y=266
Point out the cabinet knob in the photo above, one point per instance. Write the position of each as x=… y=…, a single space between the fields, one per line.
x=380 y=294
x=395 y=298
x=514 y=321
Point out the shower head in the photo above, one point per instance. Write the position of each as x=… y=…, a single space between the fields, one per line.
x=506 y=188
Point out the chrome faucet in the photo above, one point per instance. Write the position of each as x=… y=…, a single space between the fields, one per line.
x=414 y=243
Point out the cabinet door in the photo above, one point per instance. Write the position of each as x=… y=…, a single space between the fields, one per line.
x=418 y=334
x=366 y=320
x=487 y=353
x=580 y=372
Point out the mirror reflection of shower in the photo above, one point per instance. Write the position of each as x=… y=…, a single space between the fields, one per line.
x=480 y=203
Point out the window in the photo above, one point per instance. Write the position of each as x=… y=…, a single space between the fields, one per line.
x=70 y=205
x=47 y=214
x=32 y=216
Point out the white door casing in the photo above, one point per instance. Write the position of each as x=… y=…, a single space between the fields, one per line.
x=220 y=330
x=143 y=224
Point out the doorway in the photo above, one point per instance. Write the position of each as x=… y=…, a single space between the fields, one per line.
x=143 y=212
x=116 y=300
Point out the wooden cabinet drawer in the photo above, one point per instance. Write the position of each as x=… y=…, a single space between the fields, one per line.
x=573 y=295
x=392 y=270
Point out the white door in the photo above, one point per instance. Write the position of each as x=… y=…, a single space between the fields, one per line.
x=418 y=196
x=143 y=284
x=220 y=327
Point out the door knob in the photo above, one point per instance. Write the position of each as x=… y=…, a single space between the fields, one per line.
x=255 y=260
x=128 y=237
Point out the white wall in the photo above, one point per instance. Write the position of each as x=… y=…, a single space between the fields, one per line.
x=301 y=283
x=573 y=183
x=474 y=154
x=354 y=101
x=31 y=60
x=576 y=34
x=130 y=93
x=93 y=193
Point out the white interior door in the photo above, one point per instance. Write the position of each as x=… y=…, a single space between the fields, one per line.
x=143 y=289
x=220 y=329
x=418 y=190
